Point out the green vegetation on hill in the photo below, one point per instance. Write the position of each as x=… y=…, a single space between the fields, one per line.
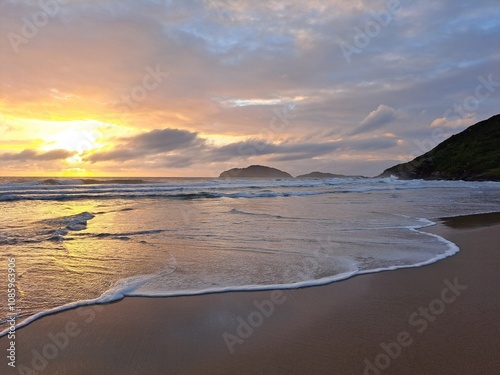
x=473 y=154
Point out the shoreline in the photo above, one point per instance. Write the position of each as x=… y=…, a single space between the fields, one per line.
x=335 y=326
x=107 y=297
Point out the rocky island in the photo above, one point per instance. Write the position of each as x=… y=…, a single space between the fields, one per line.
x=255 y=171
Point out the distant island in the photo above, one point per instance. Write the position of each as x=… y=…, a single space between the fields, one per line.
x=255 y=171
x=472 y=155
x=326 y=175
x=261 y=171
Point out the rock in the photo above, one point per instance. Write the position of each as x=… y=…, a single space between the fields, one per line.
x=255 y=171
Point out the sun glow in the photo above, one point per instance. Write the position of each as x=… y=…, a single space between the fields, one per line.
x=79 y=138
x=75 y=172
x=222 y=139
x=75 y=138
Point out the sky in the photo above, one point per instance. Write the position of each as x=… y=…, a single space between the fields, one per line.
x=192 y=88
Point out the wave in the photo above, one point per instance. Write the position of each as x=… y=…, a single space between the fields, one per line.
x=76 y=222
x=120 y=289
x=130 y=286
x=54 y=230
x=179 y=193
x=123 y=235
x=159 y=194
x=66 y=190
x=53 y=181
x=113 y=195
x=240 y=212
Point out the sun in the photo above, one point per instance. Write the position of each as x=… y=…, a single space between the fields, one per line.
x=73 y=140
x=78 y=137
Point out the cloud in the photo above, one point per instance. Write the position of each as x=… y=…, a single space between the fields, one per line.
x=371 y=144
x=116 y=155
x=154 y=142
x=179 y=148
x=174 y=148
x=256 y=147
x=251 y=147
x=163 y=140
x=233 y=64
x=458 y=122
x=377 y=119
x=29 y=154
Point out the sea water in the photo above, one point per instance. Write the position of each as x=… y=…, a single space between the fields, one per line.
x=84 y=241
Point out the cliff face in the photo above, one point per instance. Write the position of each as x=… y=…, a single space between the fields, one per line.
x=255 y=171
x=473 y=154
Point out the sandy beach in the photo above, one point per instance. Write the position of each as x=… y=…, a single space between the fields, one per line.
x=437 y=319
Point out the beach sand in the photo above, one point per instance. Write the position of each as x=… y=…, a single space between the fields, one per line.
x=442 y=318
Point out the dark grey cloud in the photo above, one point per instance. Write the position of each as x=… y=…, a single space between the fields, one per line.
x=116 y=155
x=154 y=142
x=252 y=147
x=29 y=154
x=255 y=147
x=293 y=157
x=289 y=151
x=175 y=148
x=163 y=140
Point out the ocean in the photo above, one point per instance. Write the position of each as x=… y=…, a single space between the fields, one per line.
x=77 y=242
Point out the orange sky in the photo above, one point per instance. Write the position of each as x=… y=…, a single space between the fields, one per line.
x=143 y=88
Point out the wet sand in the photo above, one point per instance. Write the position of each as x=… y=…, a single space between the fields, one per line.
x=442 y=318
